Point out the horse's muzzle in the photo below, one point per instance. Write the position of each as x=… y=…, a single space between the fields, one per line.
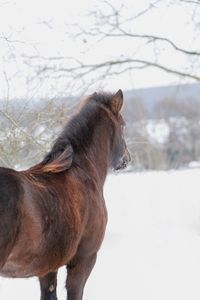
x=124 y=161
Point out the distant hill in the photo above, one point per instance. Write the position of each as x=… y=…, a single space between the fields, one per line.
x=148 y=97
x=151 y=96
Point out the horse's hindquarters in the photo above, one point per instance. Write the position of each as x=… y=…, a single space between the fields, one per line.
x=48 y=236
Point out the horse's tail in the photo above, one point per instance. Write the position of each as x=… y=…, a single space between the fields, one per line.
x=10 y=193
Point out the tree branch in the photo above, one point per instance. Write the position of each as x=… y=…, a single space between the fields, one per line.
x=85 y=69
x=5 y=114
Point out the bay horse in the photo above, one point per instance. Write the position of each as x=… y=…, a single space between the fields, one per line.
x=54 y=213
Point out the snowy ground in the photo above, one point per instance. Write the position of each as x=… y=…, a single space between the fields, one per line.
x=152 y=245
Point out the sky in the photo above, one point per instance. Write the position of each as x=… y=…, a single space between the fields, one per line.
x=45 y=28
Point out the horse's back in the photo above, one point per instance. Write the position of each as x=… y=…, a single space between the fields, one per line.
x=9 y=184
x=10 y=192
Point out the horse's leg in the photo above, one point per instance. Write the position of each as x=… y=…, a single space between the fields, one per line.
x=48 y=286
x=78 y=271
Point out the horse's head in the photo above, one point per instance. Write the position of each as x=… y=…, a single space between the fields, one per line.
x=97 y=126
x=120 y=154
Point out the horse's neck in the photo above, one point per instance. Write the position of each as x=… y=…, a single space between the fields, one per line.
x=96 y=160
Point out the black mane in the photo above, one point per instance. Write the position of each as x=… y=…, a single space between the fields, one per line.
x=76 y=135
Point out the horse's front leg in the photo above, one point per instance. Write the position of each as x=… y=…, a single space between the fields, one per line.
x=78 y=271
x=48 y=286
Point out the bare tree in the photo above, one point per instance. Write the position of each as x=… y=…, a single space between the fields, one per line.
x=127 y=49
x=116 y=24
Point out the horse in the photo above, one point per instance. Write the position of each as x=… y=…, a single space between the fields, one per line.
x=54 y=214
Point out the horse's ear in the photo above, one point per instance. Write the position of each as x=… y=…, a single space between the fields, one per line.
x=58 y=160
x=117 y=102
x=94 y=94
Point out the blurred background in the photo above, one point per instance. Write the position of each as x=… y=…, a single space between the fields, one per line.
x=54 y=52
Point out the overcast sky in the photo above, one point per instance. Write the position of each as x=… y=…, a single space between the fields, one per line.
x=40 y=27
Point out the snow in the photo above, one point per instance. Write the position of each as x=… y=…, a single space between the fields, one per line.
x=152 y=244
x=158 y=130
x=194 y=164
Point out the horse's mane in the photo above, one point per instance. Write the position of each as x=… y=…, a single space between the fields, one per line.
x=76 y=135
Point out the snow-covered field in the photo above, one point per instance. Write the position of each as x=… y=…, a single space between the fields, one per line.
x=152 y=245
